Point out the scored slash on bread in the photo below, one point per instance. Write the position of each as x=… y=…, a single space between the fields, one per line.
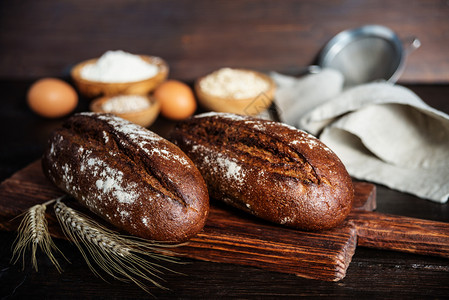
x=128 y=175
x=269 y=169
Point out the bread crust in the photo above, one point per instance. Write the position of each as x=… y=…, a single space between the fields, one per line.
x=269 y=169
x=128 y=175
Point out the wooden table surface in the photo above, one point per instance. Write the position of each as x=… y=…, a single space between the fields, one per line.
x=45 y=38
x=371 y=272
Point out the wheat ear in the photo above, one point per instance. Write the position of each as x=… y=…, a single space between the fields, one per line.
x=33 y=233
x=124 y=258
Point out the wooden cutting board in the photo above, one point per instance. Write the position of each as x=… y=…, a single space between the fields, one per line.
x=231 y=236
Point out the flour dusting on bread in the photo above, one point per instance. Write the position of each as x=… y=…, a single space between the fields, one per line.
x=270 y=169
x=225 y=169
x=130 y=176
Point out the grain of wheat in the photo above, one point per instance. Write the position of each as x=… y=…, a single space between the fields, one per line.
x=124 y=258
x=33 y=233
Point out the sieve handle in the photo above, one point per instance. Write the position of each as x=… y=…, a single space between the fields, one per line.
x=410 y=44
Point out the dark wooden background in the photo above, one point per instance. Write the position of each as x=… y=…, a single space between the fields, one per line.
x=45 y=38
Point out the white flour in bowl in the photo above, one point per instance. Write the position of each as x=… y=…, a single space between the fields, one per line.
x=233 y=83
x=125 y=104
x=118 y=67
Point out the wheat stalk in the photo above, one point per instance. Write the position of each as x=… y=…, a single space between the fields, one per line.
x=33 y=233
x=124 y=258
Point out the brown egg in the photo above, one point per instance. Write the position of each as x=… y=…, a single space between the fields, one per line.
x=176 y=98
x=52 y=98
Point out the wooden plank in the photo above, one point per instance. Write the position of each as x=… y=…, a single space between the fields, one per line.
x=230 y=236
x=384 y=231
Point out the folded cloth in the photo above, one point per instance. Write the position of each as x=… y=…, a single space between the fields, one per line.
x=296 y=97
x=383 y=133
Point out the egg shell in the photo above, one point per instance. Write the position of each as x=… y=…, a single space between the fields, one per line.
x=176 y=98
x=52 y=98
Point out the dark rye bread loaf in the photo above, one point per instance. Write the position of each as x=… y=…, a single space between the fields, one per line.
x=128 y=175
x=268 y=169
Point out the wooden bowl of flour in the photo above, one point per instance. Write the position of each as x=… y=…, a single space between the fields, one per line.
x=223 y=95
x=91 y=89
x=139 y=109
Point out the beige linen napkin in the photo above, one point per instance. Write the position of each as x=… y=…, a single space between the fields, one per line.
x=296 y=97
x=382 y=132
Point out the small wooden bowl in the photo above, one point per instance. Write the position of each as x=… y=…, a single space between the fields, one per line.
x=93 y=89
x=246 y=106
x=144 y=117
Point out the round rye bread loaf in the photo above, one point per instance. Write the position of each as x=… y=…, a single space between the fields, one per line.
x=129 y=176
x=269 y=169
